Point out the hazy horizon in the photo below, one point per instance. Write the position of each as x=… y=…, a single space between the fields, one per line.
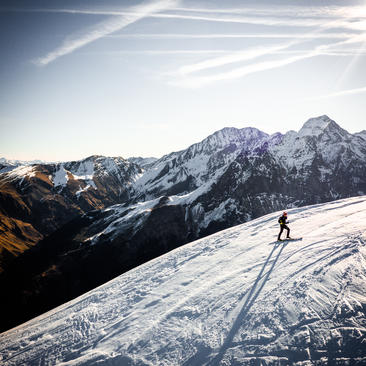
x=110 y=78
x=140 y=156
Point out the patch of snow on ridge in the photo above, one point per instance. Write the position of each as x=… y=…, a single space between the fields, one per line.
x=134 y=215
x=218 y=213
x=109 y=166
x=60 y=178
x=81 y=190
x=234 y=298
x=85 y=171
x=122 y=216
x=22 y=172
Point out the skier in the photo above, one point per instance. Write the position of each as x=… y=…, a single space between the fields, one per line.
x=283 y=221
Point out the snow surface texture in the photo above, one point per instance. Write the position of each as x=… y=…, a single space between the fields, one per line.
x=228 y=299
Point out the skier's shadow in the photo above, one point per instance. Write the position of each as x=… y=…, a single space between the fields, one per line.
x=252 y=296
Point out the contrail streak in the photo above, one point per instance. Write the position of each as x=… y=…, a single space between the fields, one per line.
x=104 y=28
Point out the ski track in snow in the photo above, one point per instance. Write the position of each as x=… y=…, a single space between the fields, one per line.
x=208 y=302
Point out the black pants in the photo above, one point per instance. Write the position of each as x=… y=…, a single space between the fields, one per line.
x=282 y=228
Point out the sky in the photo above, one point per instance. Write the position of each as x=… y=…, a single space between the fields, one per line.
x=145 y=78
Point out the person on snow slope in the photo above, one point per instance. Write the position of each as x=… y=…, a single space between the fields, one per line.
x=283 y=225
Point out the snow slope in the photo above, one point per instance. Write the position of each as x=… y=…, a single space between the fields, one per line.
x=227 y=299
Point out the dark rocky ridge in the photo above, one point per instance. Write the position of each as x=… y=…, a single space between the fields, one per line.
x=62 y=266
x=35 y=199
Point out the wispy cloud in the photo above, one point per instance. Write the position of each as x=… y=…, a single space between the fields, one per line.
x=269 y=21
x=325 y=23
x=196 y=82
x=352 y=11
x=162 y=52
x=227 y=53
x=234 y=36
x=337 y=17
x=106 y=27
x=232 y=58
x=349 y=11
x=341 y=93
x=199 y=81
x=333 y=22
x=347 y=17
x=350 y=17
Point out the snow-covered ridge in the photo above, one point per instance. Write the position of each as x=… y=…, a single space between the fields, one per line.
x=15 y=162
x=20 y=173
x=82 y=170
x=319 y=148
x=183 y=172
x=7 y=165
x=143 y=162
x=362 y=134
x=319 y=139
x=119 y=217
x=201 y=163
x=86 y=171
x=234 y=298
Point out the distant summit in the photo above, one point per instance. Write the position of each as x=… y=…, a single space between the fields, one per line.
x=319 y=125
x=315 y=125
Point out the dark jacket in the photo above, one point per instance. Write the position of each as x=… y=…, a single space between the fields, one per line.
x=282 y=220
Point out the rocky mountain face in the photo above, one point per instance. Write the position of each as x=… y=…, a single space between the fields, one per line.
x=185 y=171
x=144 y=163
x=362 y=134
x=37 y=199
x=231 y=177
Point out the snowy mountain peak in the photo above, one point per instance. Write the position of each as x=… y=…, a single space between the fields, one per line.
x=315 y=126
x=202 y=163
x=322 y=142
x=248 y=139
x=323 y=127
x=232 y=134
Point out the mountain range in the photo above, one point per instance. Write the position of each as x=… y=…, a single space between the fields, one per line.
x=237 y=297
x=91 y=220
x=37 y=199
